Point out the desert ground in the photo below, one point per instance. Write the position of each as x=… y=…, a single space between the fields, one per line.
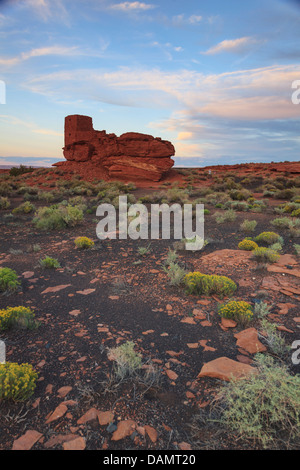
x=169 y=392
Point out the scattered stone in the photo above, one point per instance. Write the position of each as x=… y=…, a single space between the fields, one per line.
x=63 y=391
x=85 y=291
x=248 y=340
x=171 y=374
x=27 y=441
x=124 y=429
x=151 y=432
x=105 y=417
x=90 y=415
x=75 y=444
x=55 y=288
x=224 y=368
x=228 y=323
x=59 y=411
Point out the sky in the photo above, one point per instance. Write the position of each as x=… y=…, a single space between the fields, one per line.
x=214 y=77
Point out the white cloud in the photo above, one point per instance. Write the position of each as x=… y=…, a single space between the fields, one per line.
x=15 y=121
x=232 y=45
x=132 y=6
x=72 y=51
x=182 y=19
x=47 y=9
x=256 y=94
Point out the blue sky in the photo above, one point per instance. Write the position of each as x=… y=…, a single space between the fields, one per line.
x=213 y=77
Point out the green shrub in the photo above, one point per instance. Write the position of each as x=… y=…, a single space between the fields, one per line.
x=206 y=284
x=58 y=216
x=128 y=362
x=248 y=226
x=24 y=208
x=296 y=213
x=144 y=250
x=46 y=196
x=239 y=195
x=83 y=242
x=274 y=339
x=282 y=222
x=5 y=189
x=261 y=309
x=248 y=245
x=16 y=171
x=8 y=280
x=263 y=407
x=226 y=216
x=4 y=203
x=239 y=311
x=269 y=238
x=50 y=263
x=265 y=255
x=22 y=317
x=17 y=382
x=175 y=273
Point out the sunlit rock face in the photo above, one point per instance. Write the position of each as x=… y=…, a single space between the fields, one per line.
x=131 y=156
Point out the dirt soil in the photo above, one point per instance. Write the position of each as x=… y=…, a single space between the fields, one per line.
x=104 y=296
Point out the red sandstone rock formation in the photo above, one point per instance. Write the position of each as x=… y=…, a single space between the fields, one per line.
x=130 y=156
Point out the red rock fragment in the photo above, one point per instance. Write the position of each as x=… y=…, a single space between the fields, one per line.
x=27 y=441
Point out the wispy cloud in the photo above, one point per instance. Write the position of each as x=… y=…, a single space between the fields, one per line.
x=47 y=9
x=131 y=6
x=72 y=51
x=262 y=93
x=182 y=19
x=17 y=122
x=232 y=45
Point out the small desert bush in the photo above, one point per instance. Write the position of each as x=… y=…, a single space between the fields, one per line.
x=265 y=255
x=226 y=216
x=17 y=381
x=275 y=341
x=5 y=189
x=8 y=280
x=296 y=213
x=297 y=249
x=144 y=250
x=21 y=170
x=276 y=247
x=248 y=245
x=175 y=273
x=50 y=263
x=4 y=203
x=239 y=311
x=127 y=361
x=282 y=222
x=177 y=195
x=263 y=406
x=20 y=317
x=46 y=196
x=239 y=195
x=57 y=216
x=171 y=257
x=25 y=208
x=248 y=226
x=84 y=243
x=206 y=284
x=269 y=238
x=261 y=309
x=237 y=206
